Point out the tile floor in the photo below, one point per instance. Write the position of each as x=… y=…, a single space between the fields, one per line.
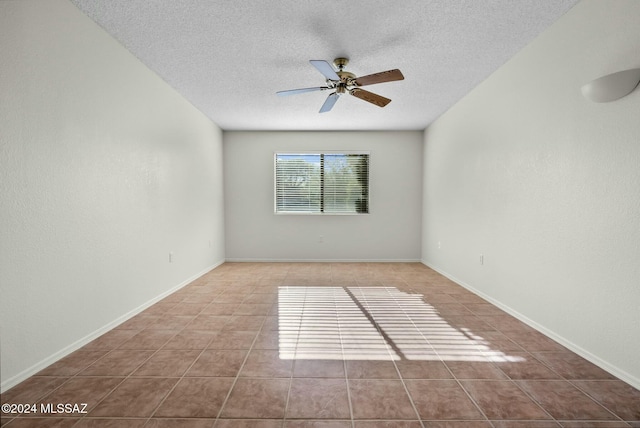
x=325 y=345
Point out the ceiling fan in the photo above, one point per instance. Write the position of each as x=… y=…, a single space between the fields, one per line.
x=344 y=82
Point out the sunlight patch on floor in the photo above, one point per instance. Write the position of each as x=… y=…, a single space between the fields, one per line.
x=372 y=323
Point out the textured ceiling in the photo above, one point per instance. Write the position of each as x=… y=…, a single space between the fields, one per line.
x=229 y=57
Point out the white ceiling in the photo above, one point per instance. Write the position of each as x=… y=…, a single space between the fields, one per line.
x=229 y=57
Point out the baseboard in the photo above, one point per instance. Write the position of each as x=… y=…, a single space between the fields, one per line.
x=263 y=260
x=615 y=371
x=14 y=380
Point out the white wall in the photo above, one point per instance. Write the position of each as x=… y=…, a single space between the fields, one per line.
x=546 y=185
x=392 y=232
x=104 y=169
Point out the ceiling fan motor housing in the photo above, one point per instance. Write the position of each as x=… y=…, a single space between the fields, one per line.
x=345 y=82
x=341 y=63
x=346 y=78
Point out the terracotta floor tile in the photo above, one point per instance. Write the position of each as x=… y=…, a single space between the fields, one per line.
x=214 y=362
x=266 y=363
x=388 y=424
x=159 y=308
x=135 y=397
x=196 y=398
x=226 y=336
x=138 y=322
x=73 y=363
x=190 y=339
x=179 y=423
x=572 y=366
x=499 y=341
x=83 y=390
x=252 y=309
x=380 y=399
x=208 y=322
x=232 y=340
x=244 y=323
x=564 y=401
x=527 y=367
x=171 y=322
x=485 y=309
x=317 y=424
x=500 y=399
x=507 y=324
x=319 y=368
x=271 y=322
x=318 y=399
x=444 y=309
x=110 y=340
x=257 y=398
x=32 y=389
x=596 y=424
x=120 y=362
x=185 y=308
x=168 y=363
x=371 y=370
x=248 y=423
x=267 y=340
x=43 y=422
x=203 y=298
x=442 y=400
x=220 y=309
x=615 y=395
x=475 y=370
x=262 y=296
x=527 y=424
x=423 y=369
x=534 y=341
x=480 y=326
x=111 y=423
x=149 y=339
x=229 y=298
x=458 y=424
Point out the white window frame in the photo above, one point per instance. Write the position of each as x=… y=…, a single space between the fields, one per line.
x=318 y=152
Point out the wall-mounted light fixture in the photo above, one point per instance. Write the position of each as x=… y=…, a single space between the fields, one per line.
x=612 y=86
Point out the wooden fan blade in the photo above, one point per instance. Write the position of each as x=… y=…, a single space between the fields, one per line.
x=325 y=68
x=300 y=91
x=329 y=102
x=376 y=99
x=383 y=76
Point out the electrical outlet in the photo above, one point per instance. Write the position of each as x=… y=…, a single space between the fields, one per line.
x=439 y=245
x=481 y=259
x=170 y=257
x=321 y=238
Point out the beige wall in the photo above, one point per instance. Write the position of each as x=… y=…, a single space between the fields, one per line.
x=391 y=232
x=104 y=170
x=546 y=186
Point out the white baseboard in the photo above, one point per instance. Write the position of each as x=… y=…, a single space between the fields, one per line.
x=615 y=371
x=23 y=375
x=262 y=260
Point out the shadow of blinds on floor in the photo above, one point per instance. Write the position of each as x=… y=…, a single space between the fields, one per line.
x=372 y=323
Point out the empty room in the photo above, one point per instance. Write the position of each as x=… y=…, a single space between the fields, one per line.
x=320 y=214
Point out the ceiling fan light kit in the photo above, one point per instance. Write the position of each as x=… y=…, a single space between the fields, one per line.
x=343 y=82
x=612 y=86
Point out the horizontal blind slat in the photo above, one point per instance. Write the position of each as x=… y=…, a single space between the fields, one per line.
x=302 y=179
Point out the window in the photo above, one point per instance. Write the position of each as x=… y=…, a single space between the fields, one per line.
x=329 y=183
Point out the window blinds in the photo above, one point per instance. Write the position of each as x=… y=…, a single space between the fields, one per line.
x=336 y=183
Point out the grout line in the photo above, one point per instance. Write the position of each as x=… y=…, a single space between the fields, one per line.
x=125 y=377
x=227 y=285
x=344 y=362
x=235 y=380
x=153 y=412
x=293 y=364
